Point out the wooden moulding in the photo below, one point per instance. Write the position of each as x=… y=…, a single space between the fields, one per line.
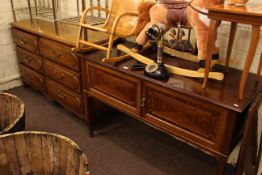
x=12 y=117
x=32 y=152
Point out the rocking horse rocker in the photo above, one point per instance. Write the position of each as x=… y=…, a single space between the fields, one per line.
x=173 y=13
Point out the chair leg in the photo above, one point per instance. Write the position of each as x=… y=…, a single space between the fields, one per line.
x=259 y=69
x=259 y=156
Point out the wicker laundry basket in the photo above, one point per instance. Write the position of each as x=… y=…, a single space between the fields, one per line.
x=12 y=117
x=40 y=153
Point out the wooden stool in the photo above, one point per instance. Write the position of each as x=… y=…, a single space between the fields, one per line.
x=249 y=14
x=28 y=153
x=12 y=117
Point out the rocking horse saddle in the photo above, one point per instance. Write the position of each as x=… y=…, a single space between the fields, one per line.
x=177 y=4
x=177 y=13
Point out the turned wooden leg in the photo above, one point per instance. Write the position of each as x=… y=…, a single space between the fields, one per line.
x=249 y=59
x=88 y=102
x=232 y=35
x=259 y=156
x=211 y=43
x=221 y=164
x=259 y=68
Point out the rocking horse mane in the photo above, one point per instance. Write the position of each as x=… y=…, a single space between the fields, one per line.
x=143 y=16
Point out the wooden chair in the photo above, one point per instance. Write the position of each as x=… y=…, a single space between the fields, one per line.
x=28 y=153
x=121 y=22
x=250 y=128
x=12 y=117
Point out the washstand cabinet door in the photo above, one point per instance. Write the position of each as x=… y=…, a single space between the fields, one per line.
x=115 y=88
x=32 y=78
x=25 y=40
x=190 y=119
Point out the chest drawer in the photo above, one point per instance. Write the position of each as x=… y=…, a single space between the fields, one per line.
x=183 y=116
x=31 y=60
x=30 y=77
x=62 y=75
x=25 y=40
x=115 y=88
x=67 y=98
x=59 y=54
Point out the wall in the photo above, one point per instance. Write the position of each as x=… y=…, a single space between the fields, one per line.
x=8 y=63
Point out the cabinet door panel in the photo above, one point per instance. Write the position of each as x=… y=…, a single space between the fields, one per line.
x=115 y=88
x=183 y=115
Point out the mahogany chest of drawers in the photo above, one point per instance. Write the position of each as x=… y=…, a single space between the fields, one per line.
x=48 y=65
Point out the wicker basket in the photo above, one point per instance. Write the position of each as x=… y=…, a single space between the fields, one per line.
x=12 y=118
x=40 y=153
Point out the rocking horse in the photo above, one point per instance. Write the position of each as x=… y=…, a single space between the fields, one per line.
x=172 y=13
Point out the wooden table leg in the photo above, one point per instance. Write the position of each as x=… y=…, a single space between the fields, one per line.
x=89 y=107
x=249 y=59
x=211 y=44
x=232 y=35
x=259 y=68
x=221 y=164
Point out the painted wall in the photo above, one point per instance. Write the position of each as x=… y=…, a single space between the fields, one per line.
x=8 y=62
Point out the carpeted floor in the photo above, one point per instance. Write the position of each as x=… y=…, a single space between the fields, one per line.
x=122 y=145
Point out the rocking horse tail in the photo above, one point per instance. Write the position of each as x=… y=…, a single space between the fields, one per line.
x=143 y=16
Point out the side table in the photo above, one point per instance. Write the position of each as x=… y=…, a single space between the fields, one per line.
x=250 y=14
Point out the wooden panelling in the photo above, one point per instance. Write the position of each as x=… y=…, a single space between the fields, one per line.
x=25 y=40
x=59 y=54
x=183 y=115
x=32 y=78
x=31 y=60
x=62 y=75
x=67 y=98
x=115 y=88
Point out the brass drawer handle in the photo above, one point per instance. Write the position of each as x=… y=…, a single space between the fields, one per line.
x=60 y=76
x=60 y=95
x=21 y=42
x=57 y=54
x=27 y=60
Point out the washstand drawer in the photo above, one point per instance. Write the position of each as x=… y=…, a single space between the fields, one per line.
x=59 y=54
x=115 y=88
x=31 y=60
x=25 y=40
x=32 y=78
x=67 y=98
x=62 y=75
x=182 y=115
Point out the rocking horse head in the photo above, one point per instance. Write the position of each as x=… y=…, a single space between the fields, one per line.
x=171 y=13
